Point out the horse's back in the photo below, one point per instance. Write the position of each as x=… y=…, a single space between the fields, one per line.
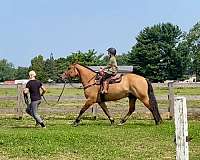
x=134 y=78
x=137 y=84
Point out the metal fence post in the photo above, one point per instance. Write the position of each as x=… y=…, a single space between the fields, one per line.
x=181 y=125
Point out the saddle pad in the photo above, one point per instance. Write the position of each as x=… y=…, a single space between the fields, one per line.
x=115 y=79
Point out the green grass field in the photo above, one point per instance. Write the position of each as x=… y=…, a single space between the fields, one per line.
x=92 y=140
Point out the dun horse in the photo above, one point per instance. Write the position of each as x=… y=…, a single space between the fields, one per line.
x=132 y=86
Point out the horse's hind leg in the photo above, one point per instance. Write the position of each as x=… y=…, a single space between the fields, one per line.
x=88 y=103
x=153 y=110
x=105 y=109
x=132 y=100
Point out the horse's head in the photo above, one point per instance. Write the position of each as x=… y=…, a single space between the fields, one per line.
x=70 y=72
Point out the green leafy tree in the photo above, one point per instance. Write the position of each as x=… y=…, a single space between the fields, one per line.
x=184 y=60
x=21 y=73
x=122 y=60
x=7 y=70
x=50 y=69
x=193 y=42
x=61 y=65
x=38 y=65
x=89 y=58
x=155 y=54
x=105 y=60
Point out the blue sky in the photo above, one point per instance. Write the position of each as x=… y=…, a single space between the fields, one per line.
x=32 y=27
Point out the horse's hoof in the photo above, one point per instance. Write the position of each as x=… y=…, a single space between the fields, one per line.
x=158 y=122
x=95 y=117
x=112 y=121
x=121 y=123
x=76 y=123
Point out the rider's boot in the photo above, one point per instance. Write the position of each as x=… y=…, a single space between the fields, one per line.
x=105 y=86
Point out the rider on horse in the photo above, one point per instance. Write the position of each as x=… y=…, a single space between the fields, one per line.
x=110 y=70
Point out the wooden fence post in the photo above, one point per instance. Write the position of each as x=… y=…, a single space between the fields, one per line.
x=171 y=100
x=19 y=107
x=181 y=125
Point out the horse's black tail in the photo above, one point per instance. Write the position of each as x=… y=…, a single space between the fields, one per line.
x=153 y=103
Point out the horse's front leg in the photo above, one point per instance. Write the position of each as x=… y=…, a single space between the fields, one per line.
x=88 y=103
x=105 y=109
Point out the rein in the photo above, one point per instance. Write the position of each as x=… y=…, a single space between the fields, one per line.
x=58 y=97
x=89 y=85
x=70 y=82
x=61 y=92
x=46 y=100
x=26 y=99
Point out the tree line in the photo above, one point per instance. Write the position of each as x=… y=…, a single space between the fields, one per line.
x=161 y=52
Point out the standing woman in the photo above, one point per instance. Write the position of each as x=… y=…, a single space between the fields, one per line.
x=36 y=90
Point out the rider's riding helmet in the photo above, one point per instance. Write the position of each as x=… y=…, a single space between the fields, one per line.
x=112 y=51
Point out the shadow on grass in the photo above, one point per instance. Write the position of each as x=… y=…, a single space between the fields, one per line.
x=23 y=126
x=108 y=124
x=144 y=123
x=89 y=122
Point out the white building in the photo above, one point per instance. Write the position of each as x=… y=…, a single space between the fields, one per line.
x=21 y=81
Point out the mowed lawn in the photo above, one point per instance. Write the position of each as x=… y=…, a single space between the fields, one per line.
x=92 y=140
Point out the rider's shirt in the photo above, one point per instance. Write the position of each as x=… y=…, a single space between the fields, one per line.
x=112 y=66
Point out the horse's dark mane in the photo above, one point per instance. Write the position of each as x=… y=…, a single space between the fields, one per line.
x=87 y=67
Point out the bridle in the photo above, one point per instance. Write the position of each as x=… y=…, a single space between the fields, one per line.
x=86 y=86
x=90 y=85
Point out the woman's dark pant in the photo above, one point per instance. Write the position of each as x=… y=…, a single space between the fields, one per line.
x=32 y=111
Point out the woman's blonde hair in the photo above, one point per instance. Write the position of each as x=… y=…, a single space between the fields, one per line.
x=32 y=74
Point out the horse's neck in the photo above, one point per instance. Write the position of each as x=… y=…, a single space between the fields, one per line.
x=87 y=76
